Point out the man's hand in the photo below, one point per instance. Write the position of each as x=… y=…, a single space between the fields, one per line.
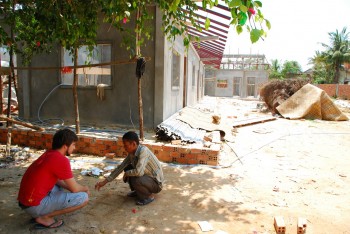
x=125 y=178
x=100 y=184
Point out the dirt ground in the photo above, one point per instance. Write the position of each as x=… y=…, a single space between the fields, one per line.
x=289 y=168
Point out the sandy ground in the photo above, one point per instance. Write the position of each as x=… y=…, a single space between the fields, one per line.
x=289 y=168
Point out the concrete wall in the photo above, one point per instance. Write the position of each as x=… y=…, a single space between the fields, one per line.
x=195 y=78
x=228 y=75
x=120 y=106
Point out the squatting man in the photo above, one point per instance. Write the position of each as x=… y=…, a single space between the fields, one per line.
x=142 y=170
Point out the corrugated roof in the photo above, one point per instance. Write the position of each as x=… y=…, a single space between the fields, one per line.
x=211 y=51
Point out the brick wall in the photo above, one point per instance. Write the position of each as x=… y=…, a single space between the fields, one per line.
x=331 y=89
x=100 y=146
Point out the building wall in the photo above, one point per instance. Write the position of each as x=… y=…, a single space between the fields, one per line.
x=336 y=90
x=41 y=89
x=121 y=100
x=195 y=78
x=227 y=90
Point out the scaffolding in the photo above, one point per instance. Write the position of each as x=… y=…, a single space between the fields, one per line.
x=250 y=62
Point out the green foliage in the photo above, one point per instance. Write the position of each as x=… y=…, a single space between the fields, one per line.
x=291 y=69
x=38 y=24
x=327 y=64
x=275 y=70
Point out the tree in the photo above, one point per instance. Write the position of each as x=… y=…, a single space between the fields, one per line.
x=337 y=52
x=322 y=71
x=291 y=69
x=176 y=13
x=275 y=70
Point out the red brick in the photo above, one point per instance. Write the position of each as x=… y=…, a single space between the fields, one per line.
x=196 y=151
x=87 y=139
x=213 y=158
x=114 y=148
x=154 y=146
x=168 y=148
x=99 y=141
x=212 y=163
x=182 y=160
x=279 y=224
x=203 y=157
x=174 y=154
x=192 y=156
x=192 y=161
x=184 y=149
x=164 y=156
x=120 y=143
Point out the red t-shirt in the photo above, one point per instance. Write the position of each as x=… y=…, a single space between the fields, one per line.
x=42 y=175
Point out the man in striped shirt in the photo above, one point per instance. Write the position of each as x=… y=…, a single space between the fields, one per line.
x=142 y=170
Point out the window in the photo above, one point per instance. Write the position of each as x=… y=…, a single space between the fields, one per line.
x=194 y=75
x=236 y=86
x=175 y=70
x=89 y=76
x=221 y=84
x=251 y=86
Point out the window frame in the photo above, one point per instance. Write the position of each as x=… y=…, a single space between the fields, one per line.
x=87 y=86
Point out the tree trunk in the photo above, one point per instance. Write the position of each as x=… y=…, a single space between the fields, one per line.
x=75 y=93
x=140 y=108
x=336 y=75
x=138 y=53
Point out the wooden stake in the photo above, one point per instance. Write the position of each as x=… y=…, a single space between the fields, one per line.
x=138 y=53
x=75 y=93
x=28 y=125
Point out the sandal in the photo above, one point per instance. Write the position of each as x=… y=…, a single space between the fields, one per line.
x=55 y=224
x=144 y=202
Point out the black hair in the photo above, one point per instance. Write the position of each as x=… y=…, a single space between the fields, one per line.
x=131 y=136
x=63 y=137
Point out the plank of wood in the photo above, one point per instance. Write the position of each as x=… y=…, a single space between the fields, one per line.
x=28 y=125
x=250 y=121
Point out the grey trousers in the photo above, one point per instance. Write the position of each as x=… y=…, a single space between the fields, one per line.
x=144 y=186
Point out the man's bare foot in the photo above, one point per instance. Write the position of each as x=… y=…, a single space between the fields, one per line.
x=44 y=220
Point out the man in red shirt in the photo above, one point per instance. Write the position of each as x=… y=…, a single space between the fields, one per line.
x=42 y=193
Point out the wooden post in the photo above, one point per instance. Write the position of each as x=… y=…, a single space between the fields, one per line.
x=75 y=93
x=139 y=87
x=9 y=124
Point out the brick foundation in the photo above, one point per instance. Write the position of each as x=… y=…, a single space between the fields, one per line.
x=190 y=154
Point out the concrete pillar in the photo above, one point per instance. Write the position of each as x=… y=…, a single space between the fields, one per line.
x=159 y=70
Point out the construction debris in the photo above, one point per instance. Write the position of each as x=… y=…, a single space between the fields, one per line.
x=173 y=129
x=275 y=92
x=311 y=102
x=302 y=224
x=279 y=224
x=250 y=121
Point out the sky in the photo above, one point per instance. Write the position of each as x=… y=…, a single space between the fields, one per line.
x=297 y=29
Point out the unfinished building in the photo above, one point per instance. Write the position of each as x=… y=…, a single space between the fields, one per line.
x=240 y=75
